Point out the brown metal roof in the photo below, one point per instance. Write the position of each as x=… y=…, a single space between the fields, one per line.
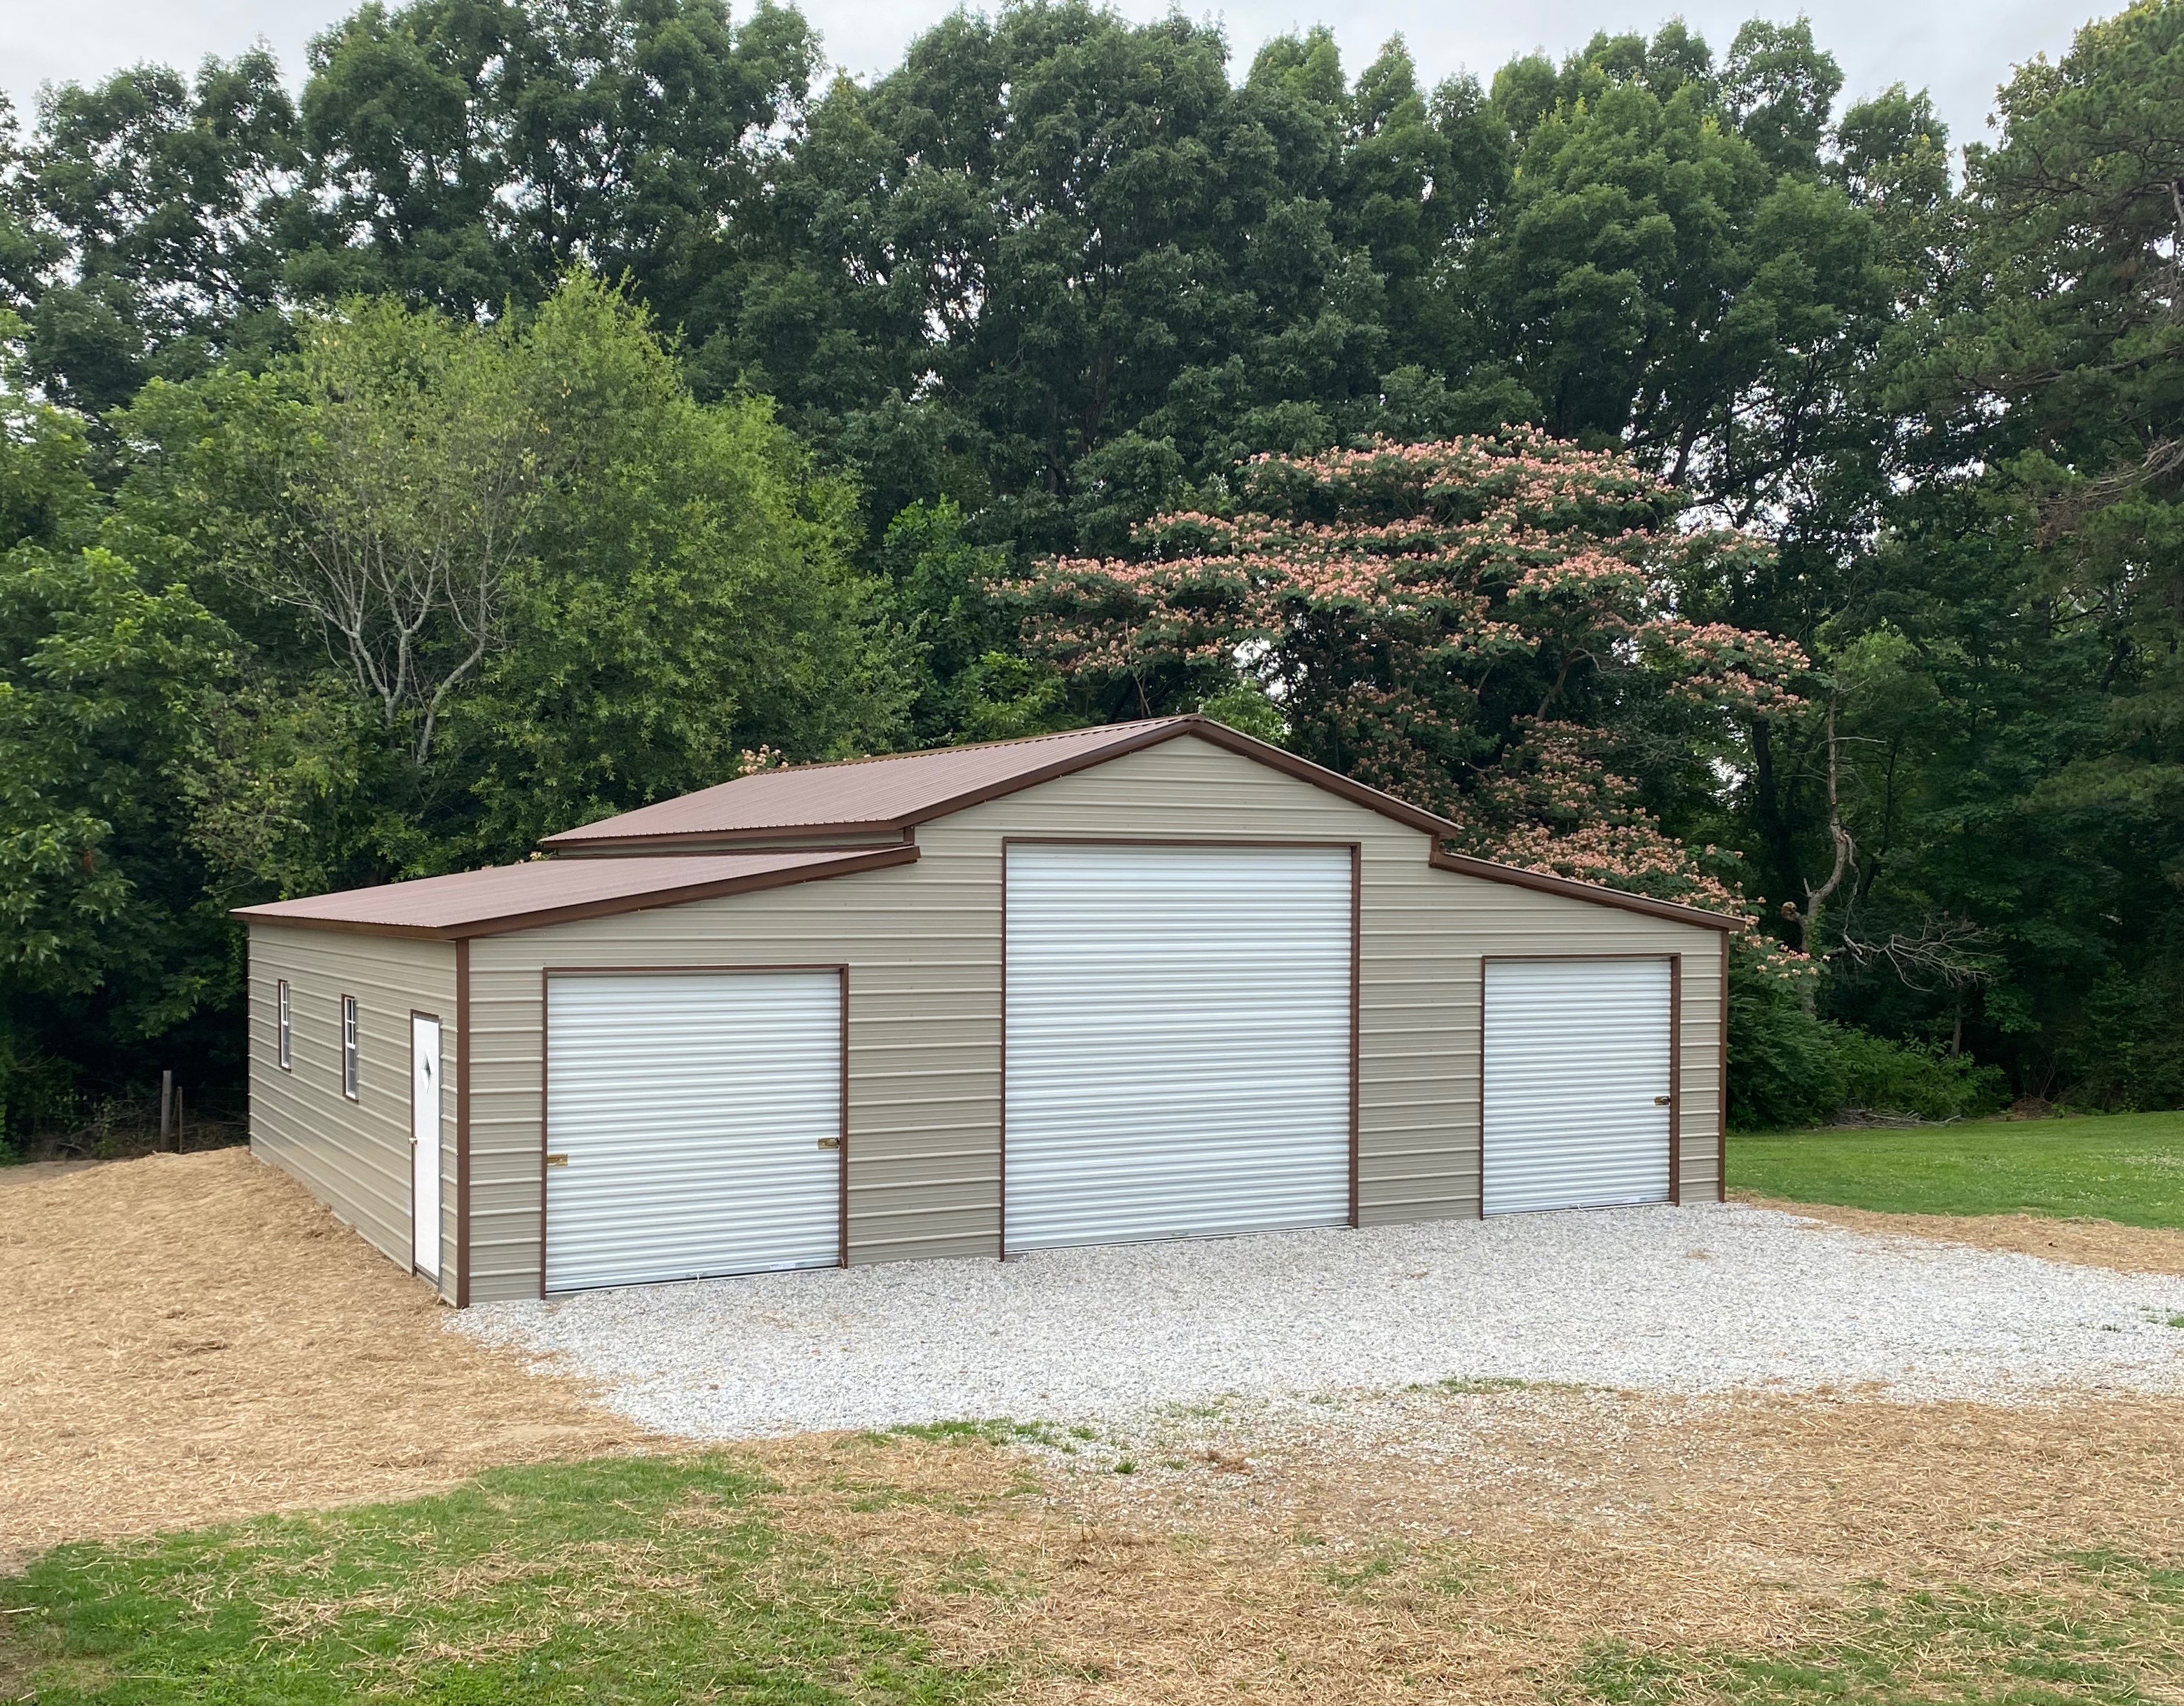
x=893 y=792
x=886 y=795
x=550 y=891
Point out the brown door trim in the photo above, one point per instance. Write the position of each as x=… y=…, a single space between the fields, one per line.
x=1675 y=1077
x=547 y=973
x=1357 y=963
x=1675 y=1053
x=415 y=1014
x=1721 y=1086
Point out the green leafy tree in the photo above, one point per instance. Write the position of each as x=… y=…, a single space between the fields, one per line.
x=469 y=153
x=109 y=940
x=551 y=584
x=152 y=208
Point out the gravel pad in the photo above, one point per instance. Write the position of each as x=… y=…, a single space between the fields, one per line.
x=1683 y=1300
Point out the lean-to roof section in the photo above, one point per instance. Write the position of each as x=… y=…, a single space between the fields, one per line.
x=551 y=891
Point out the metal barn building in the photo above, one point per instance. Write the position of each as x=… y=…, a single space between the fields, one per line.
x=1150 y=980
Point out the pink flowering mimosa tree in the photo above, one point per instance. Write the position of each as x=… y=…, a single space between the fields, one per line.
x=1485 y=627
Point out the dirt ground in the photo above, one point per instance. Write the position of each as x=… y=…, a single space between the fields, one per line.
x=187 y=1339
x=1477 y=1546
x=191 y=1338
x=2091 y=1243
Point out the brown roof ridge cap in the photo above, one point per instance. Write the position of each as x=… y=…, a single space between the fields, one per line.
x=1599 y=894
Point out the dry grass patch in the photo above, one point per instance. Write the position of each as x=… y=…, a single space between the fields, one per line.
x=190 y=1339
x=1491 y=1544
x=2087 y=1242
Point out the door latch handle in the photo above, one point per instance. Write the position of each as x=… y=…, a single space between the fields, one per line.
x=830 y=1143
x=1660 y=1101
x=557 y=1161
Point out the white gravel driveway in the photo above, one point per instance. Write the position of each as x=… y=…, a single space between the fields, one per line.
x=1686 y=1300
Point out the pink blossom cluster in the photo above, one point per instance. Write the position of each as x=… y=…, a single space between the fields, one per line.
x=1379 y=592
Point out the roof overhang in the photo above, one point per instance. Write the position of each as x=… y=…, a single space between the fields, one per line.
x=499 y=922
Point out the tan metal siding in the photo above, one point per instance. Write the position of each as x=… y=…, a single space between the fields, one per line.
x=923 y=945
x=352 y=1156
x=921 y=942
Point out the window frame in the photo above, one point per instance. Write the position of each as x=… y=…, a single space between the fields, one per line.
x=284 y=1026
x=351 y=1050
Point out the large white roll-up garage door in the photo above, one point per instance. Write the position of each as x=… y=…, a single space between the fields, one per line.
x=1577 y=1084
x=1179 y=1041
x=693 y=1124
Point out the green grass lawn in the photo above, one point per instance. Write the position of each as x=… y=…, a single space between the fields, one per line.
x=627 y=1579
x=658 y=1581
x=2125 y=1166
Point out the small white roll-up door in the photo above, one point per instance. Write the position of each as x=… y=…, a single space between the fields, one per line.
x=1577 y=1084
x=1179 y=1041
x=693 y=1124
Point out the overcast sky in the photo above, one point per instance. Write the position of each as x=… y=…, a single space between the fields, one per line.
x=1960 y=49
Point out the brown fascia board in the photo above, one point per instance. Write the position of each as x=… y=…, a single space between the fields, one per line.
x=1599 y=894
x=851 y=862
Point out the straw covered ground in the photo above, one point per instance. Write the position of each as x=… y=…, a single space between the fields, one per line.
x=1522 y=1543
x=2091 y=1242
x=186 y=1338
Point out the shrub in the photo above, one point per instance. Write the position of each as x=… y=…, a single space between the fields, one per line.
x=1789 y=1067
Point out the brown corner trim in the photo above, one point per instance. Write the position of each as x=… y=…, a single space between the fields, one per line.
x=1675 y=1077
x=1721 y=1086
x=842 y=1146
x=1597 y=894
x=1357 y=1011
x=462 y=1125
x=1001 y=1121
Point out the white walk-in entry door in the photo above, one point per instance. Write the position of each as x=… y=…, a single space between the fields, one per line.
x=425 y=1145
x=694 y=1125
x=1177 y=1057
x=1577 y=1084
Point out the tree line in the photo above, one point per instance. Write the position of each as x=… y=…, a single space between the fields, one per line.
x=1673 y=474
